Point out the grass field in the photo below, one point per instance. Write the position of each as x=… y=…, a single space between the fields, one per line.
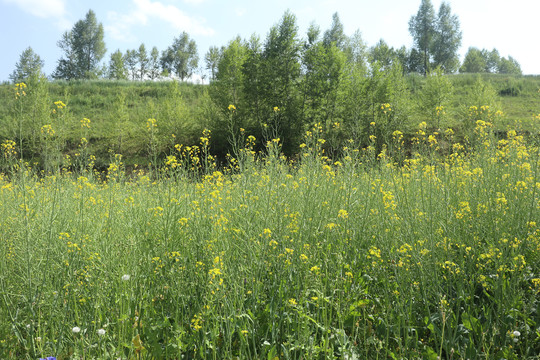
x=368 y=256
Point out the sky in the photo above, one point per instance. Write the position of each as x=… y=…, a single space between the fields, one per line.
x=507 y=26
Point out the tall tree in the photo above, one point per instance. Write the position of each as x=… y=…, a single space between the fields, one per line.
x=83 y=48
x=67 y=65
x=422 y=29
x=280 y=59
x=229 y=74
x=492 y=60
x=446 y=40
x=28 y=66
x=131 y=60
x=117 y=67
x=509 y=66
x=181 y=58
x=355 y=49
x=474 y=61
x=335 y=34
x=212 y=60
x=383 y=54
x=252 y=71
x=154 y=69
x=142 y=60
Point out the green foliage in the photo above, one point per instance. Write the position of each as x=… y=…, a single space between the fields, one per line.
x=435 y=98
x=477 y=61
x=335 y=35
x=422 y=29
x=181 y=58
x=437 y=38
x=117 y=67
x=212 y=59
x=509 y=66
x=280 y=56
x=447 y=40
x=130 y=60
x=474 y=61
x=484 y=94
x=83 y=49
x=435 y=258
x=28 y=67
x=154 y=69
x=143 y=61
x=382 y=54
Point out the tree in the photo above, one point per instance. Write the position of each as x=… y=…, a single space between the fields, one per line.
x=383 y=54
x=355 y=49
x=181 y=58
x=253 y=75
x=83 y=48
x=509 y=66
x=117 y=67
x=154 y=69
x=435 y=96
x=335 y=34
x=229 y=74
x=492 y=60
x=280 y=59
x=67 y=65
x=131 y=63
x=415 y=61
x=446 y=40
x=422 y=29
x=474 y=62
x=28 y=66
x=212 y=60
x=143 y=60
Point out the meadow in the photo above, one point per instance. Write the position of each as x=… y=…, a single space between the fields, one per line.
x=365 y=255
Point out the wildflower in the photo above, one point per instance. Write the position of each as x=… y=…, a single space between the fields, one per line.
x=293 y=302
x=276 y=109
x=85 y=123
x=232 y=107
x=150 y=124
x=101 y=332
x=48 y=358
x=76 y=330
x=343 y=214
x=126 y=277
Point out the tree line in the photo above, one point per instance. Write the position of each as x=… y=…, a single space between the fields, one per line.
x=437 y=39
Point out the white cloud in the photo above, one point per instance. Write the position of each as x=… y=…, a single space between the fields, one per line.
x=45 y=9
x=145 y=10
x=41 y=8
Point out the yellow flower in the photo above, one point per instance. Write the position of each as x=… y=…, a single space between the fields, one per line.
x=232 y=107
x=343 y=214
x=292 y=302
x=276 y=109
x=47 y=130
x=151 y=123
x=85 y=123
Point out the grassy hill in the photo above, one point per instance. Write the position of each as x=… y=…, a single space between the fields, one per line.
x=119 y=111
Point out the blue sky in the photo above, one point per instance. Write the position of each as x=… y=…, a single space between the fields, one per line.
x=511 y=27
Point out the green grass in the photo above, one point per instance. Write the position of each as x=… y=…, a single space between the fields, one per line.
x=119 y=110
x=363 y=258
